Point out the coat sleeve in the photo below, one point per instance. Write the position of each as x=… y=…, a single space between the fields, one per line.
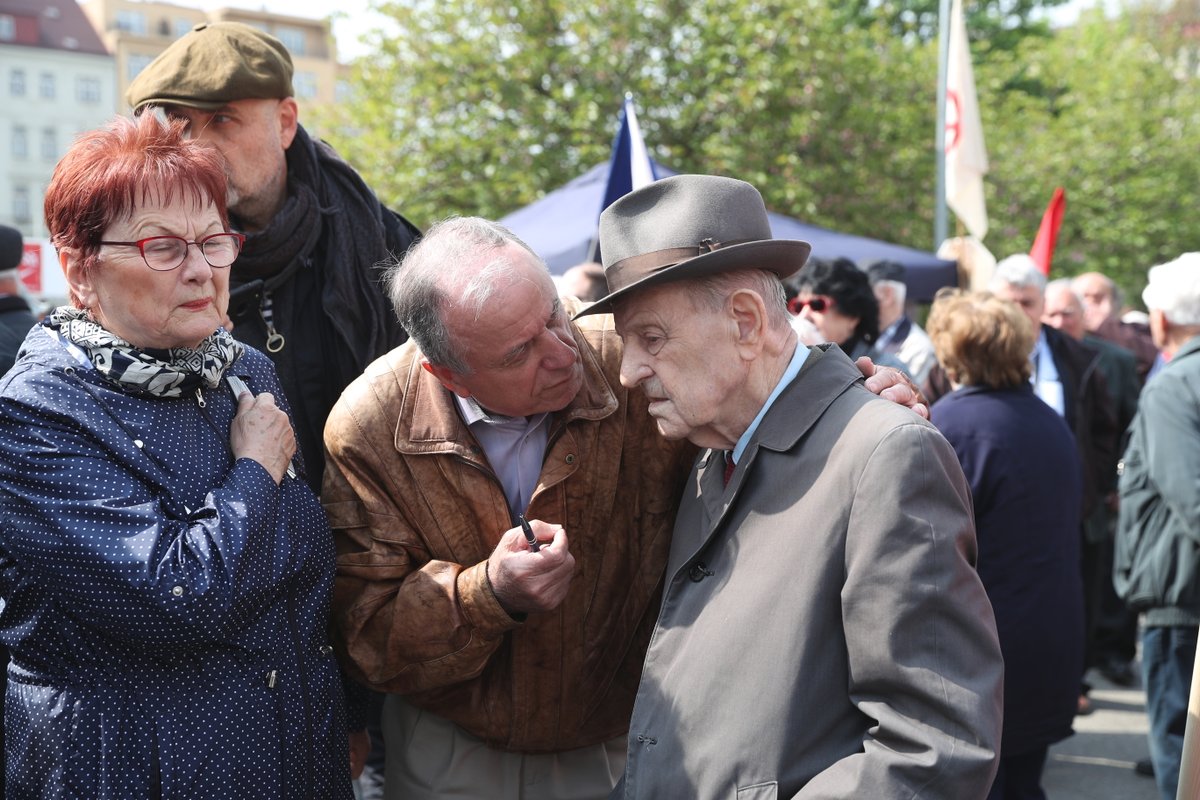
x=924 y=656
x=119 y=554
x=1171 y=410
x=406 y=623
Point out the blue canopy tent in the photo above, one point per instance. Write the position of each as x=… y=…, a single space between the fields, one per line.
x=560 y=228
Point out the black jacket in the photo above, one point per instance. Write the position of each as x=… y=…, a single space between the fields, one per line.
x=15 y=321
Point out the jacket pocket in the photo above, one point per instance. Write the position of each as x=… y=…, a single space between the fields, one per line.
x=759 y=791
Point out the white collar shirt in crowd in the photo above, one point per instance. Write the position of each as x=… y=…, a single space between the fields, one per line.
x=1045 y=380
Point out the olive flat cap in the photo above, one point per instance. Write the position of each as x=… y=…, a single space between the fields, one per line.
x=214 y=64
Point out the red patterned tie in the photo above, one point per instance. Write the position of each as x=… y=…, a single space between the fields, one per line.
x=729 y=465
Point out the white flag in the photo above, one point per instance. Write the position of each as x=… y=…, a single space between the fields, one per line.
x=966 y=157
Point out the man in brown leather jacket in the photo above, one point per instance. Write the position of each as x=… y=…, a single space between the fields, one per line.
x=511 y=671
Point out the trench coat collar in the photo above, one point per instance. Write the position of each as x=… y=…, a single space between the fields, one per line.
x=827 y=373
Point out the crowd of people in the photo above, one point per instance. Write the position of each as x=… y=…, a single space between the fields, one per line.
x=677 y=538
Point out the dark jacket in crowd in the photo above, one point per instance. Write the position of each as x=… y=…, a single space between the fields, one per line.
x=313 y=277
x=1026 y=483
x=15 y=321
x=1157 y=567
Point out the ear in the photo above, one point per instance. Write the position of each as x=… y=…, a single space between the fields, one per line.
x=748 y=315
x=289 y=116
x=447 y=377
x=78 y=278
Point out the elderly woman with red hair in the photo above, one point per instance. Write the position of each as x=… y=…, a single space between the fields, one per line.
x=1020 y=460
x=166 y=571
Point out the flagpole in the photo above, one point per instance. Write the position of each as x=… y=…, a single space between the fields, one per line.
x=939 y=201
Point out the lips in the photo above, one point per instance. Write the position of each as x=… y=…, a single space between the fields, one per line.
x=197 y=305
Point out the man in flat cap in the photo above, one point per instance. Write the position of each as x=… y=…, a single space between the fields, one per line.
x=511 y=671
x=822 y=631
x=306 y=289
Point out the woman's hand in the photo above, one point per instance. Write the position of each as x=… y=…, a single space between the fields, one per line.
x=261 y=431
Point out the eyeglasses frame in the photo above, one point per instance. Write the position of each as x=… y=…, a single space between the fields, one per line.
x=140 y=244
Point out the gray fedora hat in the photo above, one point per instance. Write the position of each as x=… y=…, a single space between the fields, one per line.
x=688 y=226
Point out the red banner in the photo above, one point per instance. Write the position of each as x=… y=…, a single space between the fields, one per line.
x=1047 y=235
x=30 y=270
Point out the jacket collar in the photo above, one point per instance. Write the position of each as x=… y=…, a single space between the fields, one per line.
x=1189 y=347
x=429 y=422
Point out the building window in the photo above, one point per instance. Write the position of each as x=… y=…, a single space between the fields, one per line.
x=20 y=143
x=292 y=38
x=20 y=208
x=305 y=85
x=49 y=144
x=16 y=83
x=131 y=21
x=46 y=85
x=182 y=26
x=8 y=27
x=87 y=90
x=135 y=63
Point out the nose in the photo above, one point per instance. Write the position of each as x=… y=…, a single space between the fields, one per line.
x=633 y=370
x=195 y=267
x=558 y=353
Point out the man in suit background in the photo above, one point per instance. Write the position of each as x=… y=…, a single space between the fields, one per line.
x=1115 y=629
x=822 y=628
x=1067 y=375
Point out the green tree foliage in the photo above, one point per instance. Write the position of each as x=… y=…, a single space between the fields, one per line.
x=1117 y=125
x=482 y=106
x=998 y=24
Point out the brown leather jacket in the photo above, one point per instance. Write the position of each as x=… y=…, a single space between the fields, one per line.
x=416 y=510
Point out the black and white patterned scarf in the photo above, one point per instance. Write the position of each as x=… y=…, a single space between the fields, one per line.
x=162 y=373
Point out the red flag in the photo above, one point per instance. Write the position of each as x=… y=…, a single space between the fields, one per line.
x=1047 y=235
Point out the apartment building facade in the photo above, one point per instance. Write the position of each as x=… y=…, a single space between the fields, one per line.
x=56 y=80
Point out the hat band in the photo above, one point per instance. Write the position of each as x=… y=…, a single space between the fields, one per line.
x=645 y=264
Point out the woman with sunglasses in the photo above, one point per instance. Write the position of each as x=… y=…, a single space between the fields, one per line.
x=836 y=297
x=166 y=571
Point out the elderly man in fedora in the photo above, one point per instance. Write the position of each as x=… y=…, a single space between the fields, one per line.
x=822 y=632
x=511 y=670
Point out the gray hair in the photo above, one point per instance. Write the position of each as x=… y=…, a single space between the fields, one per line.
x=710 y=292
x=436 y=274
x=1018 y=270
x=1174 y=289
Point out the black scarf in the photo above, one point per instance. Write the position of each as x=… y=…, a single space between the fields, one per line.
x=326 y=196
x=159 y=373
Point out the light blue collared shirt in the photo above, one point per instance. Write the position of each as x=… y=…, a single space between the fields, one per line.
x=789 y=375
x=514 y=446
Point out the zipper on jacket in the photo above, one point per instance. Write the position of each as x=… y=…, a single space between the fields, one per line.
x=200 y=398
